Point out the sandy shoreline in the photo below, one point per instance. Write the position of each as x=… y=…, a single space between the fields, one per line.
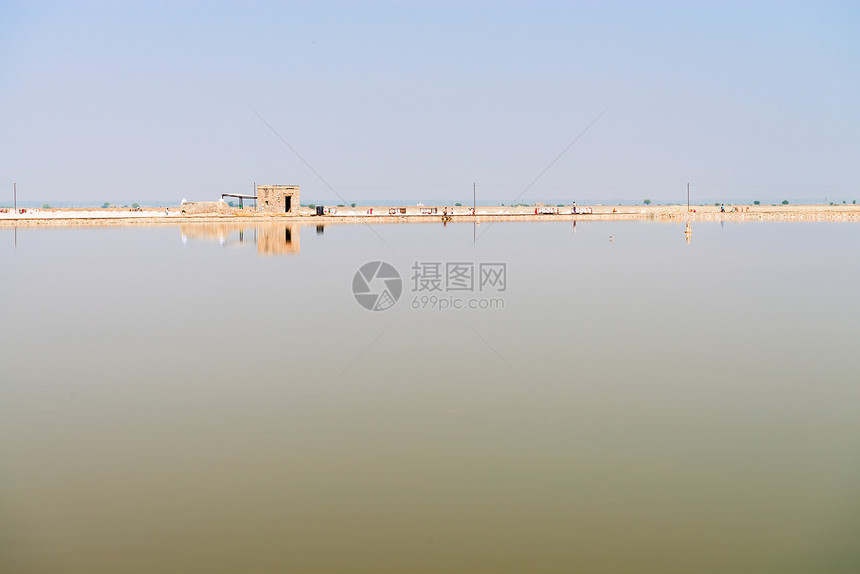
x=172 y=215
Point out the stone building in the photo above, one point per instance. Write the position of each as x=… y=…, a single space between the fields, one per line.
x=278 y=199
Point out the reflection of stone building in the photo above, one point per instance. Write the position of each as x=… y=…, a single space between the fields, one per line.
x=278 y=199
x=208 y=231
x=277 y=239
x=270 y=238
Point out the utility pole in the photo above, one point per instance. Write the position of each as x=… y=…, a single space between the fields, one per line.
x=688 y=197
x=474 y=201
x=15 y=194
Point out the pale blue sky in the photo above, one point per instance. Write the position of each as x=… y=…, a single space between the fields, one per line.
x=129 y=101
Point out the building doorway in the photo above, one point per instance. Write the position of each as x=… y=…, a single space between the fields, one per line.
x=288 y=203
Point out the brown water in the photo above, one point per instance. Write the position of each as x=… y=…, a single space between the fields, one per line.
x=223 y=404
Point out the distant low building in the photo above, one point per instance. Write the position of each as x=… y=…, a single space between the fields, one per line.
x=203 y=207
x=278 y=199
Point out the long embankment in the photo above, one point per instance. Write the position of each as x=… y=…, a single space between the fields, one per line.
x=367 y=215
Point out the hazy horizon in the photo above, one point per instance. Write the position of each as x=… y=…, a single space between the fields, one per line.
x=383 y=202
x=132 y=102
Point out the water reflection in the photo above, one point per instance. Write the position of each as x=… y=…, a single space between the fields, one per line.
x=270 y=238
x=162 y=406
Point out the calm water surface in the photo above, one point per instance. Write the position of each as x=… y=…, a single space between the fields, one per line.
x=207 y=399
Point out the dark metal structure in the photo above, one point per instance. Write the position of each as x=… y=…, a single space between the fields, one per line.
x=240 y=197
